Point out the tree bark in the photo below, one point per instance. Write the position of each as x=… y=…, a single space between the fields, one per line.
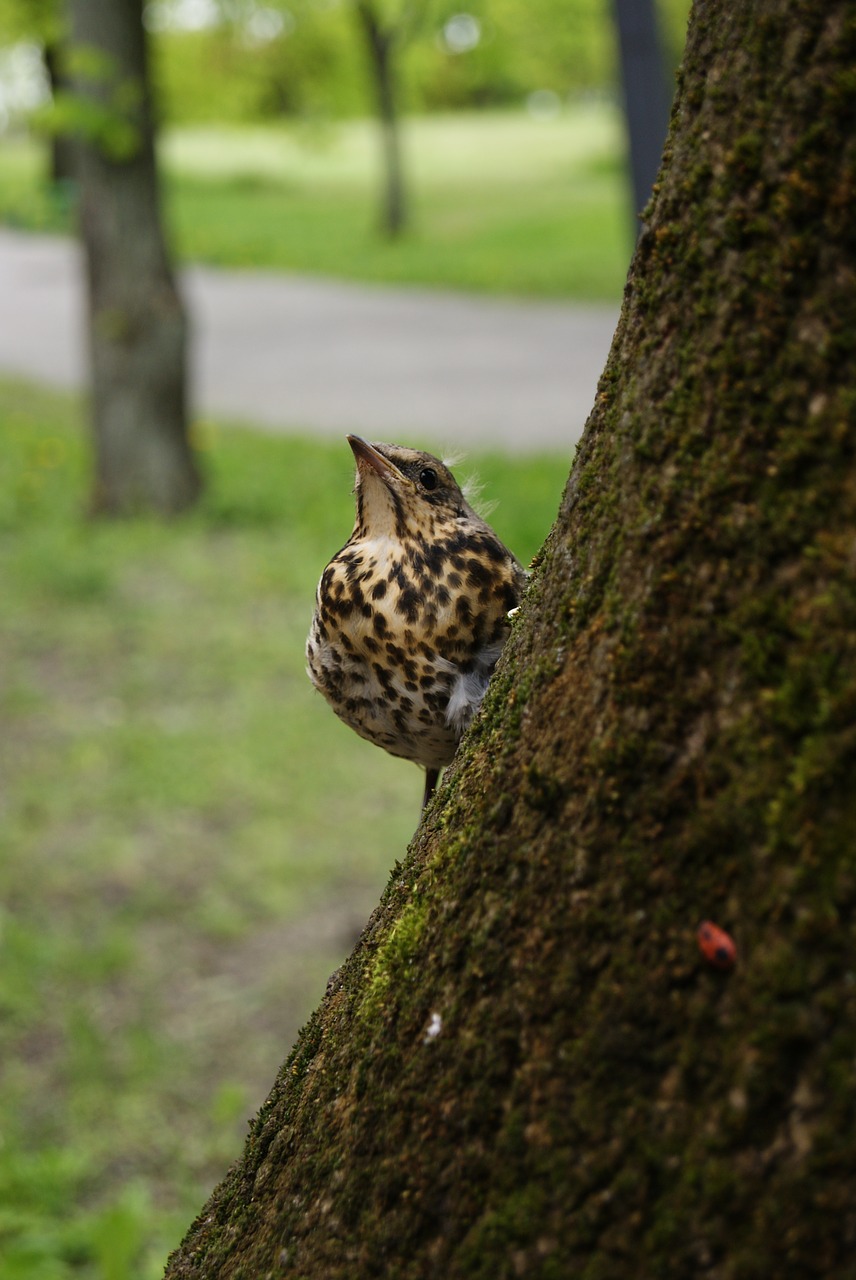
x=380 y=47
x=527 y=1068
x=137 y=329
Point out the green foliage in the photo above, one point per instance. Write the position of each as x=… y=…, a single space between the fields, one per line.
x=103 y=109
x=316 y=66
x=106 y=126
x=28 y=19
x=314 y=72
x=190 y=840
x=90 y=63
x=568 y=50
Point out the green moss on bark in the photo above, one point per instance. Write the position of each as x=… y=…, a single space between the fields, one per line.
x=670 y=737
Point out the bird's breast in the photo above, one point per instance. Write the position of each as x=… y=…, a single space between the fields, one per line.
x=404 y=639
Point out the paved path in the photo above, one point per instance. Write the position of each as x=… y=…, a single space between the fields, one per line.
x=289 y=352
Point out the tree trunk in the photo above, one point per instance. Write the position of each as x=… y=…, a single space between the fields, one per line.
x=62 y=144
x=137 y=330
x=527 y=1068
x=380 y=47
x=646 y=94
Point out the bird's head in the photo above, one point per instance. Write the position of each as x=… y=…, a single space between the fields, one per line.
x=403 y=492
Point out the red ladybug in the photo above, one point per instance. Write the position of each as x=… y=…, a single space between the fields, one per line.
x=716 y=945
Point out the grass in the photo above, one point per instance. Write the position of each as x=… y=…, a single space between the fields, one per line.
x=502 y=202
x=190 y=841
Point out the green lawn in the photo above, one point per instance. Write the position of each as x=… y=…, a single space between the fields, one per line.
x=501 y=202
x=190 y=841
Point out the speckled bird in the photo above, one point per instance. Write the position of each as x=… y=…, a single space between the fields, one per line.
x=412 y=613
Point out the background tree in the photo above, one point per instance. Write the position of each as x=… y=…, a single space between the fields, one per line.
x=55 y=55
x=525 y=1068
x=137 y=329
x=385 y=33
x=646 y=93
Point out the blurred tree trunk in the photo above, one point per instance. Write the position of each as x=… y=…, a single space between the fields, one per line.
x=62 y=144
x=646 y=94
x=381 y=44
x=526 y=1068
x=137 y=329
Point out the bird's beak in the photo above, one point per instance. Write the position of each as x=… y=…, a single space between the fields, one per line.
x=367 y=456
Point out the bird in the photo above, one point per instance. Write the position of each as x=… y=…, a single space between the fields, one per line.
x=412 y=614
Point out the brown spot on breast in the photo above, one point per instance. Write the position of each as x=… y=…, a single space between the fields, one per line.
x=408 y=604
x=357 y=704
x=385 y=679
x=478 y=573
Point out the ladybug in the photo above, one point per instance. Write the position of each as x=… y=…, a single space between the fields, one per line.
x=716 y=945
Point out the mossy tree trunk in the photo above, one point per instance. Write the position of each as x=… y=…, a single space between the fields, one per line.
x=137 y=328
x=526 y=1068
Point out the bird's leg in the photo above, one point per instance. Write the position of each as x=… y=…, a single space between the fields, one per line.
x=431 y=776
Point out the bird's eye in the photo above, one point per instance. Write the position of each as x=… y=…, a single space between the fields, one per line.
x=428 y=478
